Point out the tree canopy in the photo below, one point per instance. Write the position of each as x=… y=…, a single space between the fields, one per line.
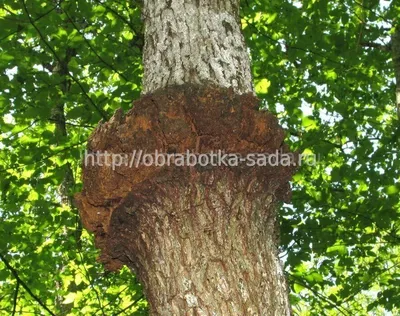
x=324 y=68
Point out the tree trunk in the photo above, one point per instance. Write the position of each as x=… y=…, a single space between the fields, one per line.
x=202 y=239
x=194 y=41
x=211 y=250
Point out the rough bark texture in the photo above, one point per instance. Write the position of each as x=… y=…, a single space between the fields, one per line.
x=194 y=41
x=203 y=240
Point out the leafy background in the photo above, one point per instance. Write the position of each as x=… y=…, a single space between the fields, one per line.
x=323 y=67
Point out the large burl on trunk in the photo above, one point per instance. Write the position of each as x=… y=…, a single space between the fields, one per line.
x=202 y=240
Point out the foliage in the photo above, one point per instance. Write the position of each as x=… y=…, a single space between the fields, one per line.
x=330 y=78
x=324 y=68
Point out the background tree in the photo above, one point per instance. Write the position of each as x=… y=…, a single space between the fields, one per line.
x=325 y=68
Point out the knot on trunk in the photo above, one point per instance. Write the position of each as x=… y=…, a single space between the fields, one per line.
x=121 y=196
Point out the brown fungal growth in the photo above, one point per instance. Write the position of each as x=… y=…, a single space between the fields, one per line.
x=133 y=212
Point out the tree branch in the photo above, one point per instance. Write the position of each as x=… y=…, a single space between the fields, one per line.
x=386 y=48
x=130 y=305
x=321 y=296
x=15 y=298
x=24 y=285
x=20 y=27
x=102 y=114
x=92 y=49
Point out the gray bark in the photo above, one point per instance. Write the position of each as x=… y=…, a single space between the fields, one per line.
x=218 y=255
x=194 y=41
x=211 y=250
